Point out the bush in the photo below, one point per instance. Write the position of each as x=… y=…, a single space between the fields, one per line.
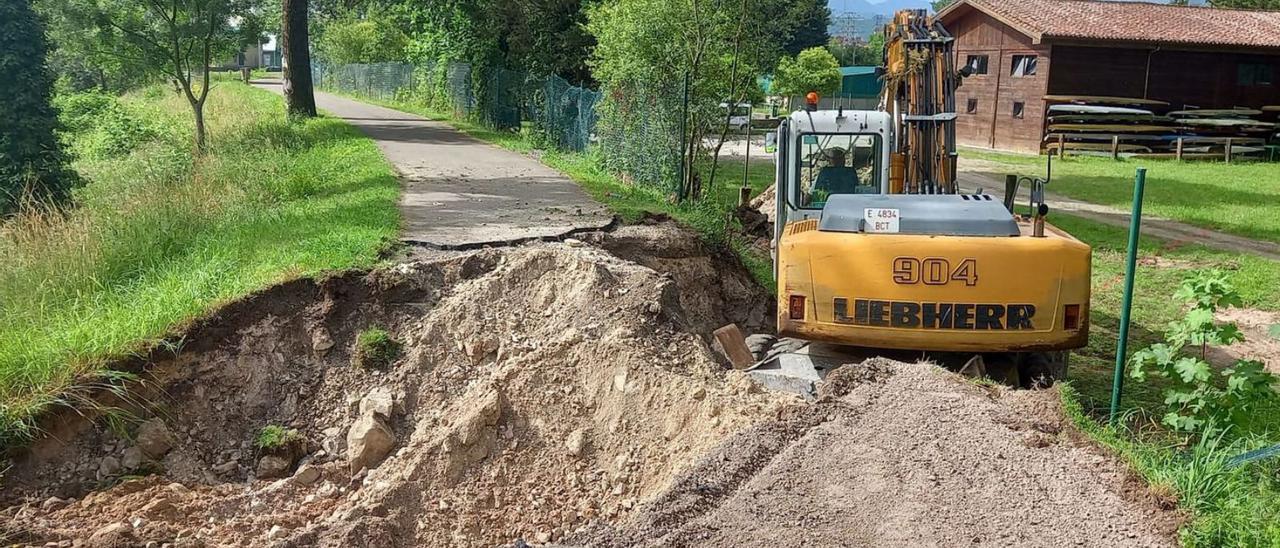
x=102 y=127
x=375 y=348
x=1196 y=403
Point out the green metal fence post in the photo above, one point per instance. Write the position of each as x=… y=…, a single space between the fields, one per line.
x=1135 y=222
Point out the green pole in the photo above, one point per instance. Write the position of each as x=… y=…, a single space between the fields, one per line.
x=1135 y=221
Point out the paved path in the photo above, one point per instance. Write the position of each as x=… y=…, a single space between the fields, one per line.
x=460 y=192
x=975 y=174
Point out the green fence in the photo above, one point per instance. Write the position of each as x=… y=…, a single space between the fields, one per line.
x=636 y=131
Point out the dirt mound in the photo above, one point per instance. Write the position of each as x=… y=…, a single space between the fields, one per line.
x=902 y=455
x=539 y=389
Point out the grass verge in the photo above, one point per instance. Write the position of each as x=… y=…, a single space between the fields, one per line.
x=158 y=239
x=1229 y=506
x=1238 y=198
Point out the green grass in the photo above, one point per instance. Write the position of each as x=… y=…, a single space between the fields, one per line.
x=158 y=239
x=274 y=436
x=1230 y=507
x=375 y=349
x=1237 y=198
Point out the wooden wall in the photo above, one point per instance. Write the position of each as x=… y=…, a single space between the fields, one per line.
x=1202 y=79
x=993 y=125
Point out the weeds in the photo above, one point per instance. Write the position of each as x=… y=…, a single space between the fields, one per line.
x=375 y=349
x=274 y=437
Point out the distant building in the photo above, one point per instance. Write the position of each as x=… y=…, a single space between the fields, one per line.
x=1023 y=50
x=262 y=55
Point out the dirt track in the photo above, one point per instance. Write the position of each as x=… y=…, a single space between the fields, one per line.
x=561 y=393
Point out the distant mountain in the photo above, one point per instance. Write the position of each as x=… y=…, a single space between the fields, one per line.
x=873 y=7
x=860 y=18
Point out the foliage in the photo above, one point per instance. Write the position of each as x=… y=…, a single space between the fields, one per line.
x=1196 y=403
x=373 y=38
x=815 y=69
x=274 y=437
x=159 y=239
x=101 y=126
x=938 y=5
x=849 y=53
x=32 y=163
x=1246 y=4
x=805 y=25
x=375 y=349
x=176 y=39
x=646 y=49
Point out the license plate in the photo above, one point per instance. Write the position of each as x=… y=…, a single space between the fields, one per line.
x=881 y=219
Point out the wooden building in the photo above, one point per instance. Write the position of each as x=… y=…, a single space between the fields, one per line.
x=1023 y=50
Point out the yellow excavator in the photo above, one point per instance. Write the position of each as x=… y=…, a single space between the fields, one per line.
x=876 y=247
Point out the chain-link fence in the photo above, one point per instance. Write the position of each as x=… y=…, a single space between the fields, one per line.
x=637 y=131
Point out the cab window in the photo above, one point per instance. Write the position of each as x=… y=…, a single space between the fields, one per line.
x=840 y=163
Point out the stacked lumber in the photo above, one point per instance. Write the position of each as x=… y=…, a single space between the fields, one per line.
x=1147 y=128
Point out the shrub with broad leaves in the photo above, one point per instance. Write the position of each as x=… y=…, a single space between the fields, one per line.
x=1200 y=399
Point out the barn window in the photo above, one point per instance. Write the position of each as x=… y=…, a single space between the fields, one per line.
x=1023 y=65
x=1254 y=74
x=1018 y=107
x=977 y=63
x=971 y=107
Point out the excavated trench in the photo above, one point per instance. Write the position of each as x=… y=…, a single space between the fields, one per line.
x=552 y=393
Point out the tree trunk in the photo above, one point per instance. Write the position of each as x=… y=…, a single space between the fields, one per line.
x=201 y=145
x=299 y=96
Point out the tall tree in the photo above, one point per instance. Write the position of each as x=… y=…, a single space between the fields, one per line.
x=176 y=38
x=299 y=94
x=31 y=160
x=807 y=21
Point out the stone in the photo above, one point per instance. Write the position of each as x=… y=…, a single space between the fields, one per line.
x=52 y=503
x=273 y=466
x=576 y=443
x=108 y=467
x=154 y=439
x=159 y=508
x=132 y=458
x=368 y=441
x=277 y=532
x=321 y=340
x=380 y=402
x=307 y=474
x=113 y=534
x=226 y=467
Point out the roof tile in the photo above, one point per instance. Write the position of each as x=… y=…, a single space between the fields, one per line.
x=1134 y=22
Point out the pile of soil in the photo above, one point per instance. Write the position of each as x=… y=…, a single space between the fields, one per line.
x=897 y=454
x=540 y=388
x=552 y=393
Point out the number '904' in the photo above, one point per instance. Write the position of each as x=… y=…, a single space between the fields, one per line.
x=934 y=271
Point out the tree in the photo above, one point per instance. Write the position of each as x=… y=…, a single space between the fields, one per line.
x=648 y=52
x=815 y=69
x=806 y=25
x=175 y=38
x=938 y=5
x=31 y=159
x=299 y=93
x=1246 y=4
x=373 y=38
